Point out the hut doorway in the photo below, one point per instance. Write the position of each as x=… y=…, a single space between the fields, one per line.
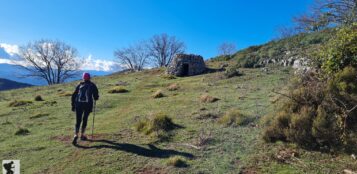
x=185 y=68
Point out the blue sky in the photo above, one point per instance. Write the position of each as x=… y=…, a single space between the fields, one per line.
x=98 y=27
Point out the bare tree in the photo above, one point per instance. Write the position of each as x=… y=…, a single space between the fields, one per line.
x=163 y=48
x=226 y=49
x=326 y=13
x=53 y=61
x=133 y=57
x=315 y=21
x=341 y=12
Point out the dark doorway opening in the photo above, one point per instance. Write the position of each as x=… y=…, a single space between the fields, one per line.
x=184 y=71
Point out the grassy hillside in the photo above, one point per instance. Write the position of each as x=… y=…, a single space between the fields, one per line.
x=9 y=84
x=274 y=52
x=119 y=148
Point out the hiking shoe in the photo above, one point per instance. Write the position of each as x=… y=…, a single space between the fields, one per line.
x=75 y=138
x=84 y=138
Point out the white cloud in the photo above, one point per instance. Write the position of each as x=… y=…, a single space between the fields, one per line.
x=99 y=64
x=10 y=55
x=12 y=50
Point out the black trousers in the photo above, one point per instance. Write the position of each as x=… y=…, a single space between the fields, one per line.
x=82 y=114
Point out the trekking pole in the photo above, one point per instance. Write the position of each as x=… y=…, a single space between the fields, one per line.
x=93 y=119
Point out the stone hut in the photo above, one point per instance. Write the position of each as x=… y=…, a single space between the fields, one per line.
x=186 y=65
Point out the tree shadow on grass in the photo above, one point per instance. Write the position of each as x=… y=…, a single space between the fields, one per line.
x=152 y=151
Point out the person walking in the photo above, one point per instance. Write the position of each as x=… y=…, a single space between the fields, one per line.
x=82 y=104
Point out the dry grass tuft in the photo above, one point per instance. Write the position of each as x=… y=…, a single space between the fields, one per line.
x=173 y=87
x=65 y=94
x=205 y=98
x=158 y=94
x=176 y=161
x=117 y=90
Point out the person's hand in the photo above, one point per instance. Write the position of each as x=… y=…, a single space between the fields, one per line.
x=73 y=108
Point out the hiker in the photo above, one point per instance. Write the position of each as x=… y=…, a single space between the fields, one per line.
x=82 y=104
x=8 y=167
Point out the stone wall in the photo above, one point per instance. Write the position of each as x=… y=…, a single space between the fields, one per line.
x=194 y=63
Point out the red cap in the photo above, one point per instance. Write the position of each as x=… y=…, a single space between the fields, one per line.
x=86 y=76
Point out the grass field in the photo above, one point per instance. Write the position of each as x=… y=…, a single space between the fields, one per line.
x=118 y=148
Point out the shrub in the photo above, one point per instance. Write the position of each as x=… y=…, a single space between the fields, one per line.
x=324 y=128
x=340 y=51
x=22 y=131
x=345 y=81
x=117 y=90
x=300 y=127
x=232 y=72
x=176 y=161
x=17 y=103
x=173 y=87
x=234 y=117
x=318 y=114
x=160 y=122
x=39 y=98
x=158 y=94
x=205 y=98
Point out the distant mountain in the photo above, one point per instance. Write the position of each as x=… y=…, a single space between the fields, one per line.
x=6 y=84
x=15 y=73
x=10 y=54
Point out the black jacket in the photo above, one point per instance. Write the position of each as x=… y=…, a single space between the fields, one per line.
x=92 y=94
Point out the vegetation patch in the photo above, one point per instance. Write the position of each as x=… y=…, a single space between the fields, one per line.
x=176 y=161
x=158 y=94
x=22 y=131
x=117 y=90
x=232 y=72
x=168 y=77
x=38 y=98
x=234 y=117
x=17 y=103
x=205 y=98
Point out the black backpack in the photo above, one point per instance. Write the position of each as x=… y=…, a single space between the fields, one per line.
x=84 y=93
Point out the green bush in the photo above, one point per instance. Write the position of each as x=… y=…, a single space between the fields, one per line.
x=341 y=51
